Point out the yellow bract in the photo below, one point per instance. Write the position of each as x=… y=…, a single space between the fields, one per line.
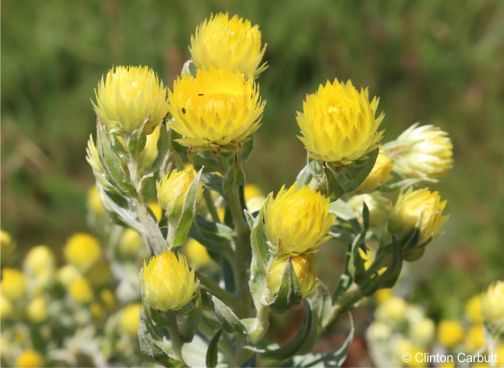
x=304 y=269
x=82 y=250
x=29 y=359
x=13 y=284
x=422 y=205
x=450 y=333
x=130 y=319
x=492 y=305
x=173 y=188
x=130 y=96
x=80 y=290
x=168 y=283
x=228 y=43
x=216 y=108
x=197 y=254
x=379 y=175
x=338 y=123
x=297 y=220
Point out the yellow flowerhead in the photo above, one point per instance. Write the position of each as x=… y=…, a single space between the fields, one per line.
x=172 y=190
x=492 y=305
x=422 y=331
x=82 y=250
x=475 y=338
x=29 y=359
x=67 y=274
x=215 y=109
x=228 y=43
x=304 y=269
x=450 y=333
x=338 y=123
x=392 y=310
x=130 y=96
x=473 y=310
x=379 y=175
x=5 y=307
x=297 y=220
x=13 y=284
x=39 y=261
x=94 y=201
x=130 y=319
x=7 y=246
x=197 y=254
x=37 y=310
x=168 y=283
x=131 y=243
x=379 y=207
x=422 y=152
x=420 y=206
x=80 y=290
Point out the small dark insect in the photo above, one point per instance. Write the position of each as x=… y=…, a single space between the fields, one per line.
x=183 y=110
x=201 y=94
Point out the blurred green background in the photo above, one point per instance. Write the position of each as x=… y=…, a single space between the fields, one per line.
x=431 y=61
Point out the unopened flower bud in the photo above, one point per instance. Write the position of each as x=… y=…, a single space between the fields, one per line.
x=379 y=207
x=172 y=190
x=304 y=269
x=379 y=175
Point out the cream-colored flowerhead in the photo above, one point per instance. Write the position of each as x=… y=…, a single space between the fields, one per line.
x=297 y=220
x=217 y=108
x=228 y=43
x=304 y=269
x=130 y=96
x=339 y=123
x=421 y=207
x=168 y=283
x=379 y=175
x=172 y=189
x=492 y=306
x=424 y=152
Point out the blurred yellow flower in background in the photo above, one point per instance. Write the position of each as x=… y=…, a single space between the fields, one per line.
x=5 y=307
x=7 y=247
x=492 y=305
x=29 y=359
x=422 y=331
x=228 y=43
x=130 y=319
x=40 y=259
x=82 y=250
x=450 y=333
x=304 y=269
x=338 y=123
x=37 y=310
x=94 y=201
x=197 y=254
x=391 y=310
x=297 y=220
x=254 y=197
x=130 y=96
x=473 y=309
x=379 y=175
x=80 y=290
x=215 y=109
x=475 y=337
x=67 y=273
x=131 y=243
x=167 y=281
x=14 y=284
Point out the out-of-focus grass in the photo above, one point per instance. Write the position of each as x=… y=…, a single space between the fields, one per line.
x=431 y=61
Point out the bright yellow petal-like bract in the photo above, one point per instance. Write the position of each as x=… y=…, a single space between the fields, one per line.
x=379 y=175
x=82 y=250
x=130 y=96
x=172 y=189
x=168 y=283
x=422 y=152
x=215 y=109
x=422 y=205
x=492 y=306
x=304 y=269
x=297 y=220
x=228 y=43
x=339 y=123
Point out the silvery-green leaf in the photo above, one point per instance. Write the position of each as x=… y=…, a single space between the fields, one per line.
x=211 y=355
x=230 y=321
x=289 y=293
x=342 y=210
x=215 y=236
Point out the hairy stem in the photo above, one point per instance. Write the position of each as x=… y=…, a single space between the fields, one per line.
x=347 y=300
x=171 y=324
x=210 y=204
x=216 y=290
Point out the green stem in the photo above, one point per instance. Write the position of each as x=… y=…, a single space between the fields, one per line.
x=171 y=324
x=216 y=290
x=347 y=300
x=210 y=204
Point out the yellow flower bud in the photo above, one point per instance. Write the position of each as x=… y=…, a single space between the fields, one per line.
x=304 y=269
x=29 y=359
x=130 y=96
x=492 y=305
x=422 y=205
x=379 y=175
x=130 y=319
x=379 y=207
x=94 y=201
x=37 y=310
x=392 y=310
x=156 y=210
x=215 y=109
x=228 y=43
x=67 y=274
x=422 y=331
x=168 y=283
x=450 y=333
x=80 y=290
x=13 y=284
x=82 y=250
x=254 y=197
x=131 y=243
x=5 y=308
x=297 y=220
x=338 y=123
x=7 y=246
x=475 y=338
x=172 y=190
x=422 y=152
x=197 y=254
x=473 y=310
x=150 y=151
